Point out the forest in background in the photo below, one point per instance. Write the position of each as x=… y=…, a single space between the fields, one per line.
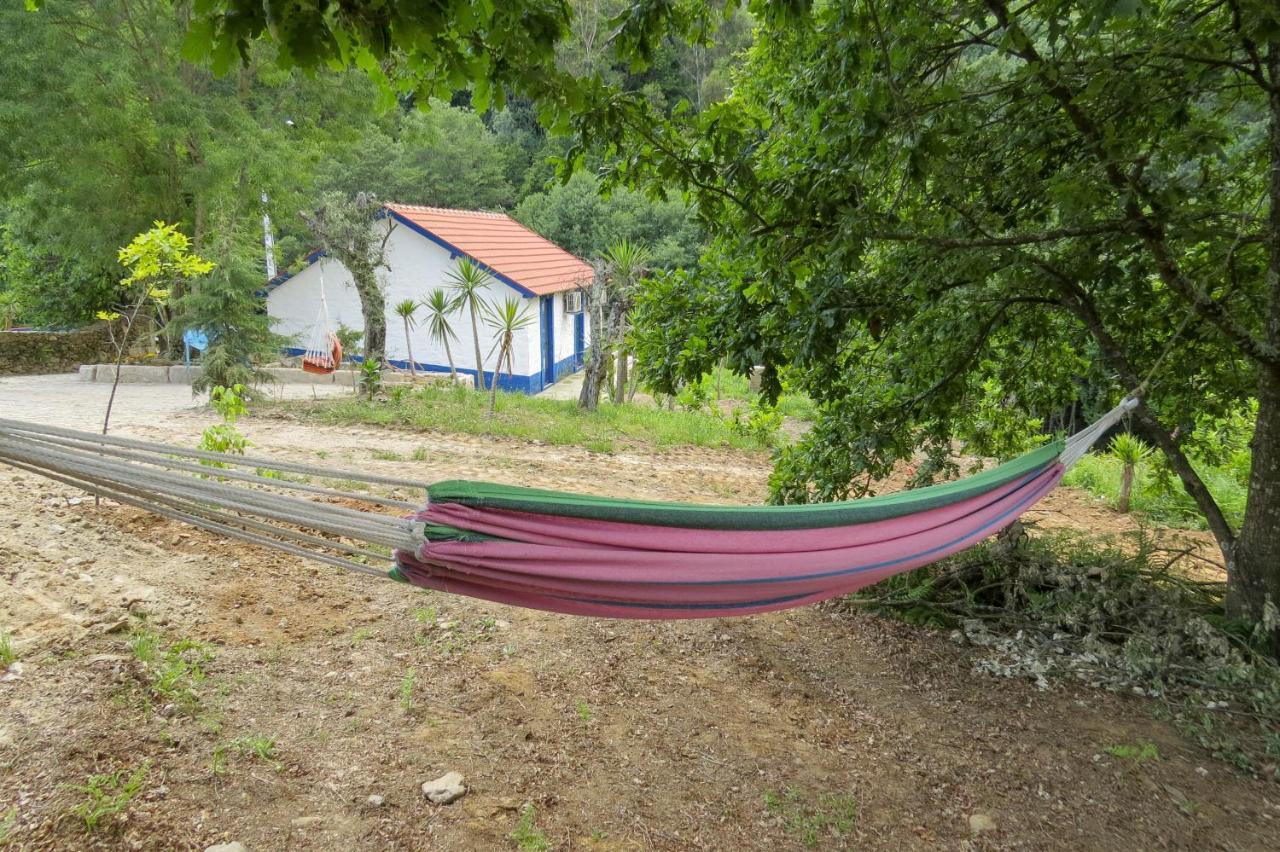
x=110 y=126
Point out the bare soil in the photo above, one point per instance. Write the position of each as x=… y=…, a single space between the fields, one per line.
x=619 y=735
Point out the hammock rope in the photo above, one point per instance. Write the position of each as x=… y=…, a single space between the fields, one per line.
x=570 y=553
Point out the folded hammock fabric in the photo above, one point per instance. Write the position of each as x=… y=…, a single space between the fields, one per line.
x=569 y=553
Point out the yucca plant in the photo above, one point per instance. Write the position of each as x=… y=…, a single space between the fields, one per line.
x=1130 y=450
x=627 y=265
x=439 y=308
x=468 y=281
x=405 y=310
x=505 y=319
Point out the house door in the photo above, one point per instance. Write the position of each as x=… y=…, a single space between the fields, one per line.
x=579 y=339
x=548 y=340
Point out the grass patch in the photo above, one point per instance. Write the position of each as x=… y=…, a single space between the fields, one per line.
x=1137 y=752
x=526 y=837
x=175 y=672
x=7 y=654
x=387 y=455
x=407 y=684
x=106 y=796
x=733 y=386
x=584 y=711
x=7 y=822
x=257 y=746
x=812 y=819
x=559 y=422
x=1158 y=497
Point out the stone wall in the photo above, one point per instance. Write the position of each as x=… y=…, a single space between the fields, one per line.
x=31 y=352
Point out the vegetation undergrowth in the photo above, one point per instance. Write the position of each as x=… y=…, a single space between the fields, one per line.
x=526 y=837
x=1116 y=614
x=106 y=796
x=559 y=422
x=812 y=819
x=172 y=673
x=1157 y=497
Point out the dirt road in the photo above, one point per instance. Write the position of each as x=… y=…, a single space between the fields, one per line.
x=757 y=733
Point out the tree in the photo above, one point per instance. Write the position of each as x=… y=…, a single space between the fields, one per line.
x=405 y=310
x=580 y=217
x=625 y=262
x=468 y=281
x=444 y=157
x=1085 y=188
x=1129 y=451
x=505 y=319
x=439 y=308
x=158 y=260
x=108 y=127
x=346 y=228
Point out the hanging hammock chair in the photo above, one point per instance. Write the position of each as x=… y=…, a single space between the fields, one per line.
x=323 y=354
x=570 y=553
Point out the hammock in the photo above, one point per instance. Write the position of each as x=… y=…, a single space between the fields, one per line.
x=550 y=550
x=323 y=354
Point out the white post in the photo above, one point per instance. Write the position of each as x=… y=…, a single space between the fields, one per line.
x=268 y=242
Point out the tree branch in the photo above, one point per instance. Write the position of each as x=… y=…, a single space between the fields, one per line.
x=1151 y=231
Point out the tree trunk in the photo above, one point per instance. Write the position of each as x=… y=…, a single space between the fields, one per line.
x=1253 y=570
x=448 y=353
x=475 y=338
x=408 y=347
x=592 y=377
x=493 y=386
x=374 y=307
x=621 y=395
x=1126 y=488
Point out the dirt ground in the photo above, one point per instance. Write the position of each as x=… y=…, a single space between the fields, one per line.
x=754 y=733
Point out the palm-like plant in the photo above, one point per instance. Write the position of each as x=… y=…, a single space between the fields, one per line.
x=405 y=310
x=505 y=319
x=439 y=308
x=1130 y=450
x=627 y=265
x=468 y=281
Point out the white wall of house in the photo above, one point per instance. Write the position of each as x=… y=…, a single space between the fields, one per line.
x=417 y=266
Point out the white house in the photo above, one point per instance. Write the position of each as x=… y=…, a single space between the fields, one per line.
x=424 y=246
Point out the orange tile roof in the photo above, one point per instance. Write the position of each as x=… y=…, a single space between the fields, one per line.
x=515 y=254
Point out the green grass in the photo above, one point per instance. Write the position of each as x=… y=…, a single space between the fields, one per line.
x=407 y=684
x=525 y=836
x=733 y=386
x=1137 y=752
x=7 y=822
x=584 y=711
x=174 y=673
x=254 y=745
x=7 y=654
x=1163 y=503
x=812 y=819
x=560 y=422
x=106 y=796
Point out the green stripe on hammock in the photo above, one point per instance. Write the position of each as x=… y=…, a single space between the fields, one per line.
x=809 y=516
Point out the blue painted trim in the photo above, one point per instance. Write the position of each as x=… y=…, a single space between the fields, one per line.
x=520 y=384
x=579 y=339
x=454 y=251
x=547 y=323
x=285 y=276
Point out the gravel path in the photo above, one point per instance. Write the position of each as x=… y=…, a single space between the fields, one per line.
x=63 y=400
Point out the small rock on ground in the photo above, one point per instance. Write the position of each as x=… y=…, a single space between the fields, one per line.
x=375 y=801
x=227 y=847
x=445 y=789
x=981 y=823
